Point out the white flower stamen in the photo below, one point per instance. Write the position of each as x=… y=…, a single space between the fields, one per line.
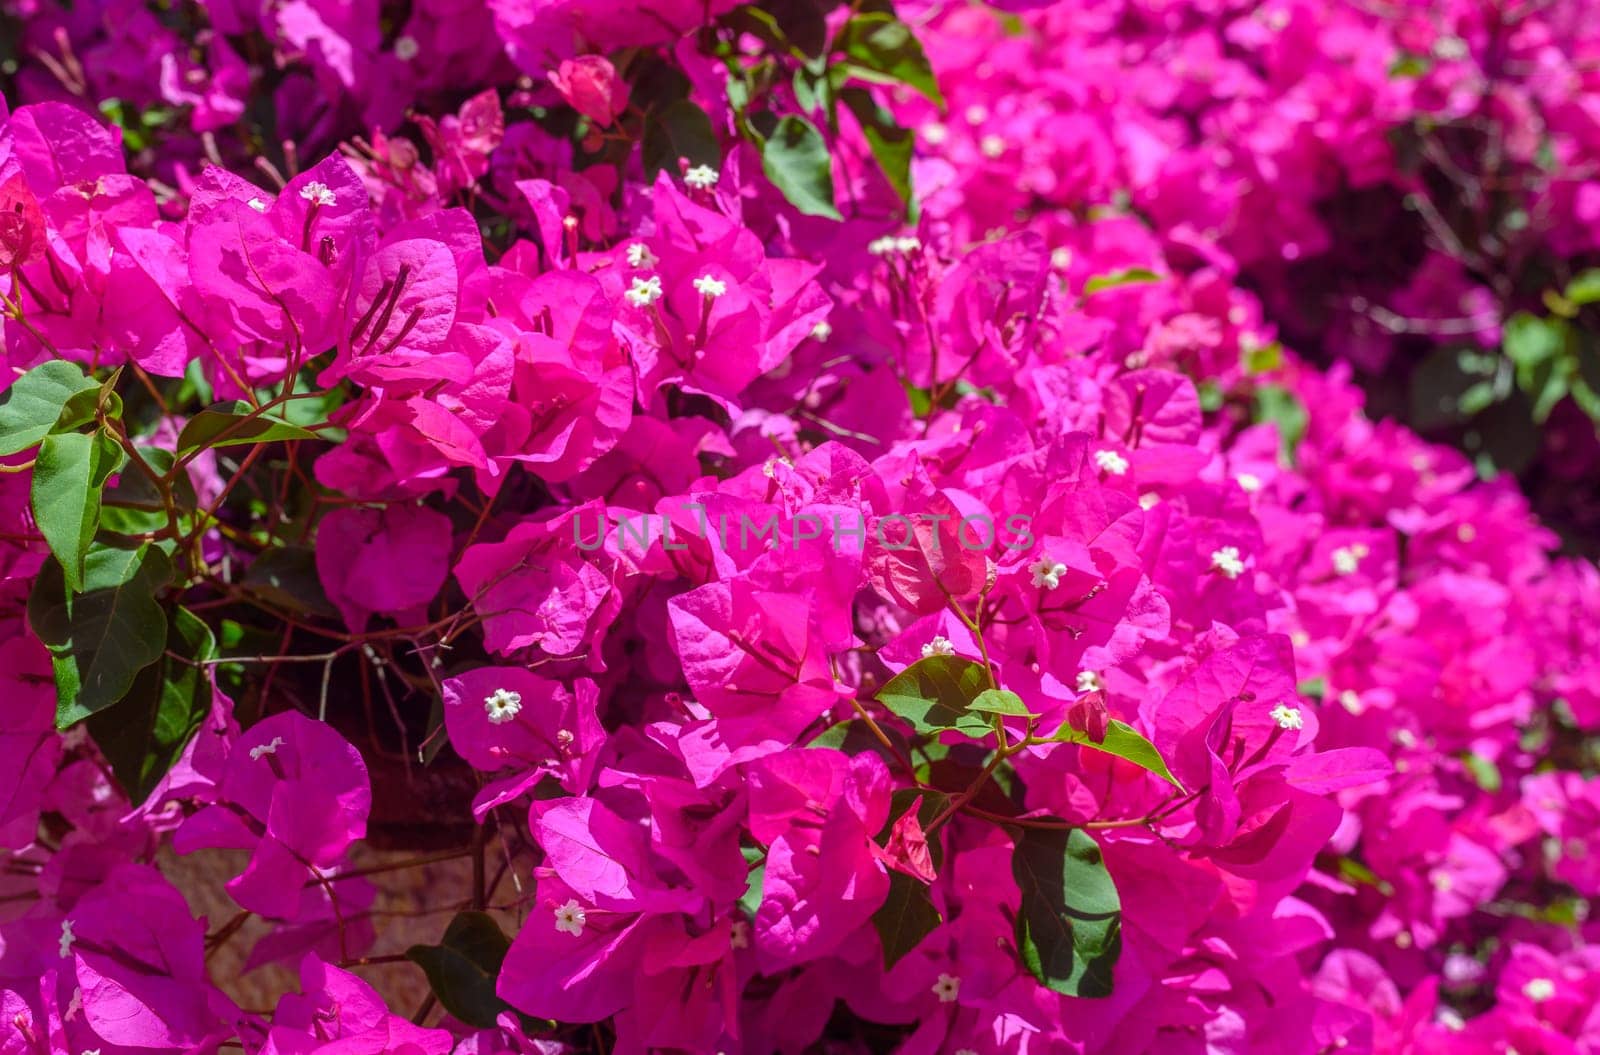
x=570 y=918
x=1226 y=560
x=1287 y=717
x=947 y=988
x=1047 y=573
x=502 y=705
x=644 y=291
x=317 y=193
x=709 y=287
x=701 y=177
x=1111 y=462
x=268 y=748
x=939 y=646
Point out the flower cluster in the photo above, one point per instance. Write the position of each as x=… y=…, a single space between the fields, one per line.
x=1022 y=650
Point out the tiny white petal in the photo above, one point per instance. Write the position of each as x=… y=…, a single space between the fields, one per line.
x=318 y=193
x=1227 y=561
x=1047 y=573
x=1111 y=462
x=639 y=255
x=406 y=48
x=701 y=177
x=947 y=988
x=1288 y=717
x=570 y=918
x=709 y=287
x=821 y=331
x=502 y=705
x=992 y=146
x=1248 y=482
x=67 y=937
x=644 y=291
x=1090 y=681
x=1347 y=559
x=257 y=204
x=939 y=646
x=1539 y=990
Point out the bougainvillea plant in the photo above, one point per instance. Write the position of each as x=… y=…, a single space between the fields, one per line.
x=846 y=522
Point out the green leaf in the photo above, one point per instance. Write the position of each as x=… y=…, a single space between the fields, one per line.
x=906 y=916
x=81 y=408
x=1263 y=358
x=287 y=577
x=934 y=694
x=230 y=425
x=1001 y=701
x=145 y=733
x=892 y=146
x=1483 y=771
x=463 y=968
x=679 y=130
x=795 y=158
x=102 y=638
x=1283 y=408
x=30 y=407
x=1585 y=287
x=882 y=49
x=1128 y=276
x=1069 y=924
x=71 y=468
x=795 y=25
x=1124 y=741
x=755 y=860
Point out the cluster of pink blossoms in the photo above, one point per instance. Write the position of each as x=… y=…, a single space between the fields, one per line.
x=675 y=494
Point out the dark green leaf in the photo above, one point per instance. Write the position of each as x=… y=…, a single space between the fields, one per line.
x=30 y=407
x=102 y=638
x=906 y=916
x=796 y=25
x=1069 y=924
x=143 y=734
x=287 y=577
x=81 y=408
x=934 y=694
x=892 y=146
x=1124 y=741
x=795 y=158
x=680 y=130
x=1263 y=358
x=463 y=968
x=231 y=425
x=882 y=49
x=67 y=477
x=755 y=860
x=1001 y=701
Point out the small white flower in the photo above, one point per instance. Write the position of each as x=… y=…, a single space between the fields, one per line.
x=701 y=177
x=639 y=255
x=1226 y=560
x=934 y=133
x=268 y=748
x=739 y=936
x=1466 y=533
x=881 y=246
x=1539 y=990
x=710 y=288
x=67 y=937
x=821 y=331
x=966 y=1051
x=1350 y=700
x=406 y=48
x=502 y=705
x=946 y=988
x=1047 y=573
x=90 y=1051
x=317 y=193
x=1090 y=681
x=907 y=244
x=1451 y=48
x=570 y=918
x=1149 y=500
x=1288 y=717
x=992 y=146
x=939 y=646
x=976 y=114
x=644 y=291
x=1060 y=258
x=257 y=204
x=1347 y=559
x=1111 y=462
x=1249 y=483
x=1441 y=882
